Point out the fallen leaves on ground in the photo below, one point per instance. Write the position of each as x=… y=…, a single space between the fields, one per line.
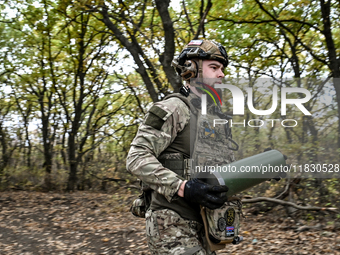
x=96 y=223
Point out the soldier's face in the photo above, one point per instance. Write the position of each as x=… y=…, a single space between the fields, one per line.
x=212 y=72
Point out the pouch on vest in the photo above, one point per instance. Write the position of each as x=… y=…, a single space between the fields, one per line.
x=173 y=161
x=138 y=207
x=142 y=203
x=222 y=225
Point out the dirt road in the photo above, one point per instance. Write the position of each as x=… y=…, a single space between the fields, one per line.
x=95 y=223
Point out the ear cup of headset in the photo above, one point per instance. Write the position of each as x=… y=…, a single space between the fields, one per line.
x=190 y=70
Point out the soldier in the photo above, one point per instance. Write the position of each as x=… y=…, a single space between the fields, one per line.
x=159 y=152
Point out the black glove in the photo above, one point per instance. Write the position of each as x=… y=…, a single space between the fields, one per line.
x=196 y=191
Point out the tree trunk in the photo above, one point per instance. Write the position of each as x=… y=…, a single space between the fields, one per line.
x=4 y=157
x=334 y=63
x=47 y=149
x=72 y=179
x=169 y=47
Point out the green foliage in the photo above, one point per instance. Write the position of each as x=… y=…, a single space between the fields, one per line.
x=63 y=74
x=59 y=70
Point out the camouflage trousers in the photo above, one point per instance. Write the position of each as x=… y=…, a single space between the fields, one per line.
x=168 y=233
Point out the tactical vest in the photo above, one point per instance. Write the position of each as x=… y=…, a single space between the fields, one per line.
x=212 y=146
x=173 y=158
x=206 y=145
x=200 y=141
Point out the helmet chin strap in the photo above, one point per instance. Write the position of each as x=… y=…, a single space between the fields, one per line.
x=200 y=69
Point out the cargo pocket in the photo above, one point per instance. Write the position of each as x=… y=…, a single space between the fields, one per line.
x=151 y=225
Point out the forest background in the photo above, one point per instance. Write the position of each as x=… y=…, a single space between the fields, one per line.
x=77 y=78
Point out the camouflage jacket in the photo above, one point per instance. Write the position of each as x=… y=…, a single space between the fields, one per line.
x=160 y=127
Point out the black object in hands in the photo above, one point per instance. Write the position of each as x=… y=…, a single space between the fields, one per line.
x=199 y=192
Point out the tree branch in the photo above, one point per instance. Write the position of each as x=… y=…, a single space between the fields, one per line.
x=169 y=46
x=285 y=203
x=187 y=17
x=133 y=51
x=279 y=22
x=201 y=26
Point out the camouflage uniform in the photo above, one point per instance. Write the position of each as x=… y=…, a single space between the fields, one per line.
x=154 y=135
x=173 y=225
x=167 y=231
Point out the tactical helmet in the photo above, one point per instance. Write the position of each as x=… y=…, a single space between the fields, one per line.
x=185 y=64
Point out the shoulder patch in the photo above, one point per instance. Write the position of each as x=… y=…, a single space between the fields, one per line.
x=156 y=117
x=158 y=112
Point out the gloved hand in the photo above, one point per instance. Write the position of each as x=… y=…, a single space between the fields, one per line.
x=196 y=191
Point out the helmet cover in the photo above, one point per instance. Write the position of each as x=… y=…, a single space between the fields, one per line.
x=198 y=49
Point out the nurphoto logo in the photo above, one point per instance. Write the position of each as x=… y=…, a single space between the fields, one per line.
x=239 y=99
